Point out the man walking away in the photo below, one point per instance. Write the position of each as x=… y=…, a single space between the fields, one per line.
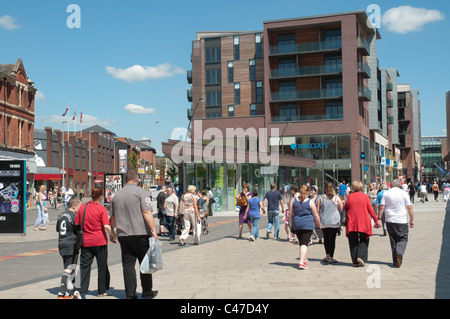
x=160 y=199
x=423 y=193
x=171 y=208
x=132 y=215
x=397 y=203
x=274 y=199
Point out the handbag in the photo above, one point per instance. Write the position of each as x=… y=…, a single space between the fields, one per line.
x=79 y=240
x=344 y=217
x=242 y=201
x=181 y=208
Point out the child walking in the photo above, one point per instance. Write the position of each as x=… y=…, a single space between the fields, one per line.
x=67 y=230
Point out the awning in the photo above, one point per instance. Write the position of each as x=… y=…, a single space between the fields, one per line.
x=47 y=174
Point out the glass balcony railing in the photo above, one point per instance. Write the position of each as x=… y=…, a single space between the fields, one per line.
x=306 y=47
x=364 y=68
x=389 y=103
x=306 y=95
x=389 y=86
x=364 y=46
x=365 y=93
x=315 y=117
x=189 y=95
x=306 y=71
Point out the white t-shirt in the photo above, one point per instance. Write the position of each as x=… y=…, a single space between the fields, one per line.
x=69 y=195
x=395 y=201
x=423 y=188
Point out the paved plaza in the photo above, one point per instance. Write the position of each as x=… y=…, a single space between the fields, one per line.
x=268 y=269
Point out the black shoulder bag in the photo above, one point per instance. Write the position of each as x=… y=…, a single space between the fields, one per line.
x=79 y=240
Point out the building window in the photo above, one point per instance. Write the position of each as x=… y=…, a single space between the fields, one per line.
x=236 y=47
x=230 y=72
x=252 y=70
x=213 y=98
x=332 y=39
x=214 y=112
x=333 y=64
x=212 y=54
x=230 y=110
x=259 y=92
x=286 y=43
x=333 y=87
x=252 y=109
x=213 y=76
x=287 y=90
x=286 y=67
x=237 y=93
x=258 y=51
x=334 y=110
x=287 y=112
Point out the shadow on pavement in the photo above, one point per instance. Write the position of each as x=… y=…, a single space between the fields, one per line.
x=443 y=271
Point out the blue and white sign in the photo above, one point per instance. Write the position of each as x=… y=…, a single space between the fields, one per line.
x=309 y=146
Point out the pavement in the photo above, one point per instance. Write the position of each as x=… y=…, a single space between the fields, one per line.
x=268 y=269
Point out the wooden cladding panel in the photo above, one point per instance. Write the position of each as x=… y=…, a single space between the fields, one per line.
x=312 y=107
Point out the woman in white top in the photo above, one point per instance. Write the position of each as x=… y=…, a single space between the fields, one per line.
x=330 y=207
x=42 y=217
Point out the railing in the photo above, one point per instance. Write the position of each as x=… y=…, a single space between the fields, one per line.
x=306 y=95
x=306 y=71
x=189 y=95
x=364 y=67
x=314 y=117
x=365 y=92
x=306 y=47
x=189 y=76
x=363 y=44
x=389 y=86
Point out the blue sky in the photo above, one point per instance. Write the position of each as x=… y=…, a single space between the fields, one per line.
x=125 y=68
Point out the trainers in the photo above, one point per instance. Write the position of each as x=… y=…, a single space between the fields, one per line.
x=302 y=266
x=251 y=238
x=65 y=296
x=76 y=295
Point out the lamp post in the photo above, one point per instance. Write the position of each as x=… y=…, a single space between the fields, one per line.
x=4 y=110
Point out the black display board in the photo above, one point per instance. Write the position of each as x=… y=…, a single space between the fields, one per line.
x=12 y=197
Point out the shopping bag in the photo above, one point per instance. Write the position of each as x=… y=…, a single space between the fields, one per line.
x=152 y=261
x=199 y=231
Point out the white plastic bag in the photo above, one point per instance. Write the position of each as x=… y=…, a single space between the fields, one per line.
x=152 y=261
x=199 y=231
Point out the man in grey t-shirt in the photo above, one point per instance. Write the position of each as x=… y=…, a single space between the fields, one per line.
x=132 y=215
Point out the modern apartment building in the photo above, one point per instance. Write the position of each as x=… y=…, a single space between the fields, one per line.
x=313 y=83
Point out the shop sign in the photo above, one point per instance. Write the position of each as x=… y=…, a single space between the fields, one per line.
x=309 y=146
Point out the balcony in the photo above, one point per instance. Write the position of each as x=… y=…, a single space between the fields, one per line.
x=364 y=93
x=364 y=69
x=389 y=86
x=306 y=71
x=310 y=47
x=363 y=46
x=304 y=118
x=306 y=95
x=189 y=76
x=390 y=120
x=389 y=103
x=189 y=114
x=189 y=95
x=404 y=132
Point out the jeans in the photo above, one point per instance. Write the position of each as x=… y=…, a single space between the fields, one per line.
x=42 y=217
x=255 y=229
x=359 y=246
x=169 y=223
x=273 y=219
x=134 y=247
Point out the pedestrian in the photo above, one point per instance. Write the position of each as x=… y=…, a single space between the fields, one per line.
x=359 y=228
x=42 y=211
x=191 y=217
x=411 y=192
x=253 y=213
x=93 y=220
x=304 y=219
x=81 y=193
x=67 y=235
x=343 y=190
x=396 y=205
x=372 y=195
x=329 y=208
x=274 y=200
x=204 y=212
x=317 y=233
x=446 y=190
x=68 y=194
x=242 y=220
x=381 y=191
x=132 y=216
x=171 y=208
x=423 y=193
x=160 y=199
x=210 y=196
x=435 y=189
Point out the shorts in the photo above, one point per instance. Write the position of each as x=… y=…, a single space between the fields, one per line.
x=303 y=236
x=69 y=260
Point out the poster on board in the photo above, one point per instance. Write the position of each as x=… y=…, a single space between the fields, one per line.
x=12 y=197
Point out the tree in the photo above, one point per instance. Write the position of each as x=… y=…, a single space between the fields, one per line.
x=172 y=173
x=133 y=160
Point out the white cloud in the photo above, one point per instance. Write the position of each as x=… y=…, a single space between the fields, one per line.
x=180 y=134
x=39 y=95
x=88 y=120
x=137 y=109
x=8 y=22
x=139 y=73
x=406 y=19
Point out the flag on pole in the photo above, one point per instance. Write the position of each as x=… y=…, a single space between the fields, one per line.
x=74 y=113
x=67 y=110
x=81 y=117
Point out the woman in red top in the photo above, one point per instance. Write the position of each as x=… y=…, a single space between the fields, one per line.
x=359 y=226
x=95 y=243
